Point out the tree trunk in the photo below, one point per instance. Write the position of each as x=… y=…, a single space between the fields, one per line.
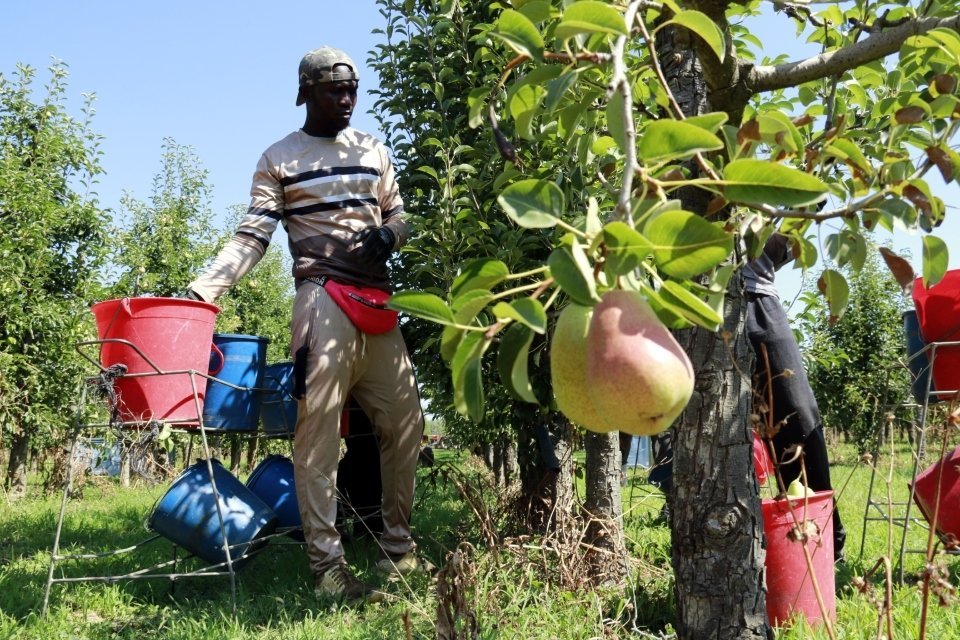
x=499 y=478
x=126 y=450
x=236 y=451
x=716 y=525
x=252 y=449
x=510 y=464
x=16 y=481
x=546 y=474
x=607 y=558
x=717 y=544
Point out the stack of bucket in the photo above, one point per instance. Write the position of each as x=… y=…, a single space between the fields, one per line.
x=164 y=347
x=190 y=513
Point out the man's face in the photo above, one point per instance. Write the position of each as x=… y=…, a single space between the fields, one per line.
x=331 y=104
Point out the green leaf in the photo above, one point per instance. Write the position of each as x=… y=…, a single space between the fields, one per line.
x=465 y=307
x=524 y=104
x=834 y=287
x=936 y=257
x=422 y=305
x=519 y=33
x=483 y=273
x=476 y=101
x=805 y=253
x=615 y=120
x=571 y=269
x=537 y=10
x=848 y=151
x=751 y=181
x=526 y=311
x=704 y=27
x=690 y=306
x=467 y=375
x=847 y=247
x=776 y=129
x=669 y=314
x=512 y=359
x=626 y=247
x=532 y=203
x=557 y=88
x=686 y=245
x=589 y=16
x=450 y=339
x=664 y=140
x=709 y=121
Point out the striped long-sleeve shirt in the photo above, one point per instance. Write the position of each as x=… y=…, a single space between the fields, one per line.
x=324 y=191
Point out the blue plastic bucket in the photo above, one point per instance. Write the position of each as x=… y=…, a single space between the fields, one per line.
x=918 y=363
x=187 y=514
x=278 y=408
x=244 y=359
x=272 y=482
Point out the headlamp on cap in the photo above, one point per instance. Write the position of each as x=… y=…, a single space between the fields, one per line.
x=325 y=64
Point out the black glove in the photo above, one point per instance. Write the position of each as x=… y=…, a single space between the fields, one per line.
x=190 y=294
x=376 y=244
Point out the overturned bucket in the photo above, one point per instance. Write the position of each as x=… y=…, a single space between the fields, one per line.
x=941 y=480
x=155 y=336
x=187 y=515
x=233 y=398
x=272 y=481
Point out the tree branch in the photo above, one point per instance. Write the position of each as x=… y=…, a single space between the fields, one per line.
x=877 y=46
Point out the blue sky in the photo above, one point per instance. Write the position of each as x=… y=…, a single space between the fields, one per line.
x=221 y=78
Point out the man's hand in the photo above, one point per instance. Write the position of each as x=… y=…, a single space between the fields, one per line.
x=190 y=294
x=376 y=244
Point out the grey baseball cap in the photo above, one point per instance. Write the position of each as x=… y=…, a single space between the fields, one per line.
x=317 y=66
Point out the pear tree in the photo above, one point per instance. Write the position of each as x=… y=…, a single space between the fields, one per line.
x=645 y=148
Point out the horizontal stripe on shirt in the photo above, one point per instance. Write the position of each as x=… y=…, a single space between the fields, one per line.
x=326 y=172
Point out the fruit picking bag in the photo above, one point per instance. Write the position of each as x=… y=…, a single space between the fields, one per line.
x=365 y=306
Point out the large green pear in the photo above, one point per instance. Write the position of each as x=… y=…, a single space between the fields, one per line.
x=639 y=377
x=568 y=369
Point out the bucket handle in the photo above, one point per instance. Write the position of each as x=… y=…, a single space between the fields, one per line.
x=215 y=350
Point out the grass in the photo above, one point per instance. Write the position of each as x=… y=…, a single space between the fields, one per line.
x=507 y=599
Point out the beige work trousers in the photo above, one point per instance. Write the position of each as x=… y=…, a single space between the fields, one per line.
x=376 y=371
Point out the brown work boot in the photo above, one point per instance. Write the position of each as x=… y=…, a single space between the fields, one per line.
x=339 y=583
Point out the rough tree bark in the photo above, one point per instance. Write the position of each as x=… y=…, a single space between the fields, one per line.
x=546 y=482
x=16 y=480
x=607 y=557
x=717 y=532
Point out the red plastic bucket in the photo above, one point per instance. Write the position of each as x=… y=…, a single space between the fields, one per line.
x=925 y=489
x=938 y=310
x=790 y=586
x=174 y=334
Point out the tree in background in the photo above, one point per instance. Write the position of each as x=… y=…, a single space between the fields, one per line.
x=853 y=362
x=52 y=239
x=162 y=244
